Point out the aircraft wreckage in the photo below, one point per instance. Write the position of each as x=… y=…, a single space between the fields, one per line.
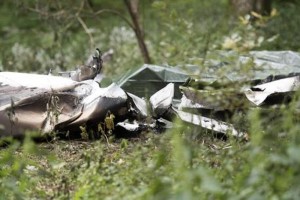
x=47 y=103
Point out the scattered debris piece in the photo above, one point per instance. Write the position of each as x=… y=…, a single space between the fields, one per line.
x=148 y=79
x=161 y=102
x=211 y=124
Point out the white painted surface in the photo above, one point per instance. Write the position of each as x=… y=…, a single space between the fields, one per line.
x=15 y=79
x=209 y=123
x=163 y=98
x=266 y=89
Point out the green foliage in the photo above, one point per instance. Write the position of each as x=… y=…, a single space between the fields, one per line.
x=84 y=134
x=20 y=172
x=176 y=32
x=284 y=26
x=185 y=163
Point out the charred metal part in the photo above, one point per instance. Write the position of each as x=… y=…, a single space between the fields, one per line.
x=89 y=70
x=130 y=128
x=92 y=68
x=161 y=125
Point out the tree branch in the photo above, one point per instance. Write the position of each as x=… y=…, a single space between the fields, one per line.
x=117 y=14
x=86 y=30
x=132 y=6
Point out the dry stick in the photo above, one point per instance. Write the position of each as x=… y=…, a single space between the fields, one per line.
x=46 y=14
x=133 y=11
x=107 y=141
x=103 y=133
x=140 y=38
x=90 y=4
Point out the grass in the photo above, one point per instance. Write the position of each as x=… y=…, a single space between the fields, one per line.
x=121 y=169
x=184 y=163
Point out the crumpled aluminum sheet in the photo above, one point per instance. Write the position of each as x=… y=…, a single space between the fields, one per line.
x=231 y=65
x=259 y=93
x=272 y=79
x=211 y=124
x=48 y=103
x=251 y=78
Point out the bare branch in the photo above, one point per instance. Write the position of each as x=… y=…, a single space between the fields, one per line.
x=99 y=12
x=86 y=31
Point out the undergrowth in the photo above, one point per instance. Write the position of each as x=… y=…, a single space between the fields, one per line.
x=184 y=163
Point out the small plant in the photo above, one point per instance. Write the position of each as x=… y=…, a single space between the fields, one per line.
x=109 y=122
x=11 y=114
x=53 y=111
x=84 y=134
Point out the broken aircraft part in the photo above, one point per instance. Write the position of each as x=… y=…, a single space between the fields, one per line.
x=141 y=105
x=259 y=93
x=211 y=124
x=51 y=103
x=148 y=79
x=161 y=101
x=89 y=70
x=48 y=103
x=131 y=127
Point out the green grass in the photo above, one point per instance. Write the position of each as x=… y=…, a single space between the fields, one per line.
x=184 y=163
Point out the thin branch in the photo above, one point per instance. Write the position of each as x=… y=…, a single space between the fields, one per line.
x=117 y=14
x=107 y=141
x=80 y=8
x=83 y=24
x=90 y=5
x=47 y=14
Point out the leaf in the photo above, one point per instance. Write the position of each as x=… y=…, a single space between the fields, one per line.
x=109 y=122
x=255 y=14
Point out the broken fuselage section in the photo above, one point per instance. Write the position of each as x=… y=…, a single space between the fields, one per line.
x=51 y=103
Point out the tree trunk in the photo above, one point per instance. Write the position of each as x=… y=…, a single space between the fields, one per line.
x=243 y=7
x=132 y=6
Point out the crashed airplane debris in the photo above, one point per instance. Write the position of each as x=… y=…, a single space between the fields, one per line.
x=272 y=79
x=270 y=74
x=47 y=103
x=259 y=93
x=50 y=103
x=148 y=79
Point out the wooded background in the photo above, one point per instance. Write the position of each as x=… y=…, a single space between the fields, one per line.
x=38 y=35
